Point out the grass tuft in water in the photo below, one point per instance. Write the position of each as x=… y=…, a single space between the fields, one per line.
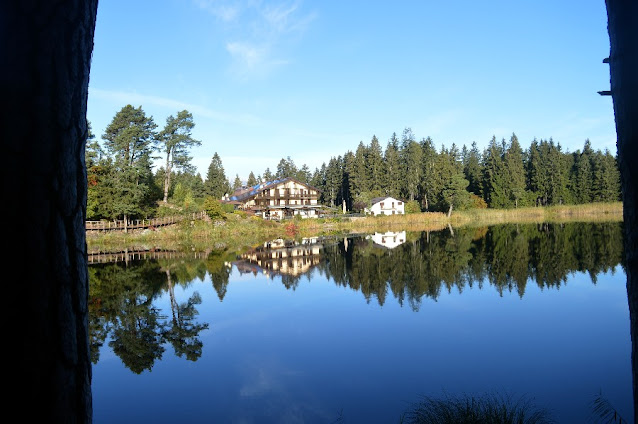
x=603 y=409
x=486 y=409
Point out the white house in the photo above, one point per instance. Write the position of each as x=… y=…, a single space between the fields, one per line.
x=389 y=240
x=386 y=206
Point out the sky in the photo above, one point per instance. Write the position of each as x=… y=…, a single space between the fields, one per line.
x=265 y=80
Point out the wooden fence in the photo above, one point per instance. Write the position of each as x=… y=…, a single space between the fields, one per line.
x=140 y=254
x=140 y=223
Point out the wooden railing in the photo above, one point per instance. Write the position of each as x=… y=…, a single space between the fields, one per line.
x=140 y=254
x=140 y=223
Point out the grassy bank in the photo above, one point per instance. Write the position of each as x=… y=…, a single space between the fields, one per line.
x=592 y=212
x=239 y=231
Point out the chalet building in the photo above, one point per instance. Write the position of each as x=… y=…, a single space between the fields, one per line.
x=278 y=199
x=386 y=206
x=281 y=257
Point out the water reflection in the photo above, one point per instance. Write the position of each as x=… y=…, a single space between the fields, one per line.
x=407 y=266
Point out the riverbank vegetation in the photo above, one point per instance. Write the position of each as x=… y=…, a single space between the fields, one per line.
x=238 y=230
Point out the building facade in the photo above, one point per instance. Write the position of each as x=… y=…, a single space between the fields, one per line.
x=278 y=199
x=386 y=206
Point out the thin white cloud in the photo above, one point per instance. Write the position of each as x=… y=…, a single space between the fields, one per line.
x=224 y=11
x=127 y=97
x=261 y=35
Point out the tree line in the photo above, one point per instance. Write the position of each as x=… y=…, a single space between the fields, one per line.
x=503 y=175
x=122 y=183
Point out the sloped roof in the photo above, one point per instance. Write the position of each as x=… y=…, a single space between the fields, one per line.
x=248 y=192
x=380 y=199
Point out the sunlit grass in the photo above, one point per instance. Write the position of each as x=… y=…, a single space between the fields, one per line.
x=593 y=212
x=239 y=231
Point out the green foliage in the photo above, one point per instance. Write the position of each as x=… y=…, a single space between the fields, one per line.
x=176 y=140
x=228 y=208
x=213 y=208
x=412 y=206
x=476 y=202
x=216 y=184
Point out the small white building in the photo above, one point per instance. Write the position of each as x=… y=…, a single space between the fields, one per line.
x=386 y=206
x=388 y=240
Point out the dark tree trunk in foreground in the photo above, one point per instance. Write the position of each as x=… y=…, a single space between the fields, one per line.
x=623 y=66
x=44 y=75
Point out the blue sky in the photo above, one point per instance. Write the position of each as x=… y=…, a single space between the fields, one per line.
x=311 y=79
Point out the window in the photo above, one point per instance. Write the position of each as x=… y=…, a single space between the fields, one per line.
x=381 y=205
x=399 y=203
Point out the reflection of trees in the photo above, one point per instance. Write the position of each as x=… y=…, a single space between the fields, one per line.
x=136 y=336
x=121 y=302
x=183 y=332
x=507 y=256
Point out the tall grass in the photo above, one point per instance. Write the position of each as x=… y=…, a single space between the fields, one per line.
x=239 y=230
x=592 y=212
x=485 y=409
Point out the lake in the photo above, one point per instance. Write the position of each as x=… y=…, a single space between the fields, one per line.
x=358 y=329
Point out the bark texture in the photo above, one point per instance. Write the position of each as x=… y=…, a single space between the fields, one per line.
x=44 y=76
x=622 y=16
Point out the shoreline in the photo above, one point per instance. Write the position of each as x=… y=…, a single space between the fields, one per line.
x=240 y=232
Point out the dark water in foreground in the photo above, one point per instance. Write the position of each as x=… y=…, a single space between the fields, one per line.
x=355 y=330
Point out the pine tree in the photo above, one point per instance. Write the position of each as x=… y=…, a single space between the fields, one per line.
x=536 y=174
x=359 y=180
x=237 y=183
x=216 y=184
x=268 y=176
x=392 y=164
x=286 y=168
x=252 y=180
x=472 y=169
x=375 y=165
x=583 y=175
x=429 y=185
x=494 y=176
x=515 y=171
x=130 y=139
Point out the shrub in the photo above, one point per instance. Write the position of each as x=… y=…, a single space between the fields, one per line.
x=412 y=206
x=228 y=208
x=476 y=202
x=213 y=208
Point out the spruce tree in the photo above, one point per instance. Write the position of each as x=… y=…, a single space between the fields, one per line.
x=216 y=184
x=392 y=164
x=375 y=165
x=252 y=180
x=515 y=171
x=472 y=169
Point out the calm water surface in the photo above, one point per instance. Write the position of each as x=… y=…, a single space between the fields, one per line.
x=357 y=329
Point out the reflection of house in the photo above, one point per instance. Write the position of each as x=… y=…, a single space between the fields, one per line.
x=278 y=199
x=386 y=206
x=282 y=257
x=388 y=240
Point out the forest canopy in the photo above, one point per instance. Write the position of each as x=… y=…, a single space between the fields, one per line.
x=122 y=182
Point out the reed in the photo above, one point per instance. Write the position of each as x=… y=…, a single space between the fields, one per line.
x=239 y=230
x=493 y=409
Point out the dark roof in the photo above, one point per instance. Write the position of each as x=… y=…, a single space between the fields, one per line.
x=247 y=192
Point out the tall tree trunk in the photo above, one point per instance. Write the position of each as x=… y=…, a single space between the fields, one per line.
x=622 y=25
x=44 y=76
x=167 y=177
